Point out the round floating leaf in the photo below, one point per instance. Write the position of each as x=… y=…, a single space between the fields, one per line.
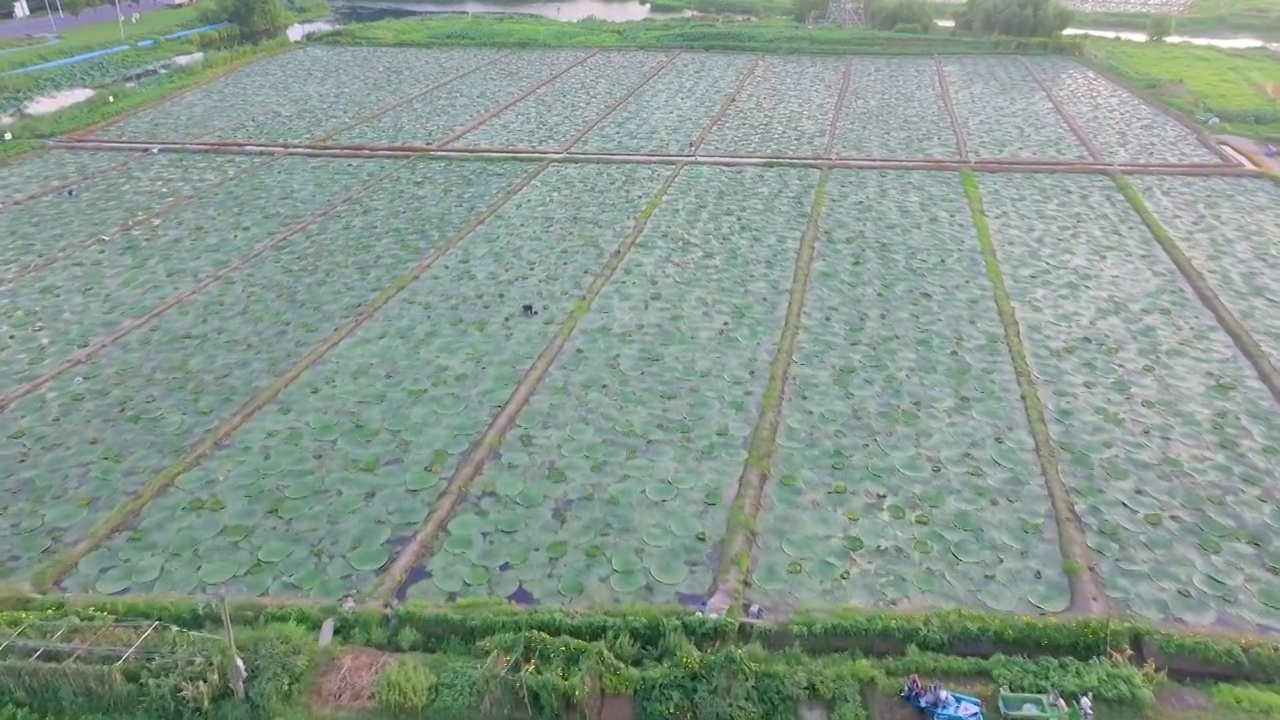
x=896 y=512
x=656 y=536
x=557 y=549
x=307 y=579
x=467 y=523
x=421 y=480
x=477 y=575
x=571 y=587
x=147 y=570
x=996 y=596
x=274 y=551
x=627 y=582
x=967 y=520
x=853 y=543
x=924 y=547
x=661 y=492
x=1050 y=596
x=184 y=544
x=216 y=572
x=510 y=522
x=529 y=497
x=668 y=569
x=518 y=554
x=509 y=484
x=684 y=525
x=966 y=550
x=449 y=579
x=797 y=546
x=626 y=561
x=114 y=580
x=458 y=544
x=715 y=496
x=369 y=557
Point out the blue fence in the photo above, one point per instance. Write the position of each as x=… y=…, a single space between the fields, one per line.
x=110 y=51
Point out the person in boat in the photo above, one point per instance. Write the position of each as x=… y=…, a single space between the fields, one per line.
x=944 y=700
x=913 y=688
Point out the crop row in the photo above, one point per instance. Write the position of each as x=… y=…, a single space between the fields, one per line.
x=651 y=124
x=552 y=116
x=1164 y=434
x=298 y=95
x=45 y=226
x=88 y=294
x=1004 y=113
x=894 y=110
x=617 y=481
x=1228 y=228
x=26 y=174
x=318 y=490
x=784 y=109
x=905 y=473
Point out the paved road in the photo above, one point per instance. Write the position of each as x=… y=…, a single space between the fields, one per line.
x=103 y=13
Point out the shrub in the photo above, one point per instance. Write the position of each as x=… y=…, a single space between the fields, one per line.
x=405 y=687
x=900 y=15
x=1159 y=27
x=277 y=661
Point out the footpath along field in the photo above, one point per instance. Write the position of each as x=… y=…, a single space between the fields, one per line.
x=287 y=375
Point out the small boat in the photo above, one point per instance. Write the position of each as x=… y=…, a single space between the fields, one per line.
x=938 y=703
x=1029 y=706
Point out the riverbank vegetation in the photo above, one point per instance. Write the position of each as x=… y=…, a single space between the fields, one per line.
x=1241 y=88
x=151 y=25
x=771 y=35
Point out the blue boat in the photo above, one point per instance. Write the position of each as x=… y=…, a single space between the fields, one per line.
x=937 y=703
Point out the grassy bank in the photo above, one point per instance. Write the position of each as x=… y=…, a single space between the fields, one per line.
x=152 y=25
x=774 y=35
x=1240 y=87
x=491 y=660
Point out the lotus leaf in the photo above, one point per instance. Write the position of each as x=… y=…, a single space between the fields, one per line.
x=216 y=572
x=115 y=580
x=369 y=558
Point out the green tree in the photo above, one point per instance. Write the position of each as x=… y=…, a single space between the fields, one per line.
x=802 y=9
x=257 y=20
x=891 y=14
x=1159 y=27
x=1014 y=18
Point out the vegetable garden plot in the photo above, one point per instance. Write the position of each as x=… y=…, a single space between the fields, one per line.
x=785 y=109
x=552 y=116
x=29 y=173
x=667 y=115
x=905 y=471
x=47 y=225
x=1228 y=228
x=894 y=110
x=1004 y=113
x=1124 y=127
x=617 y=479
x=69 y=304
x=316 y=491
x=1164 y=435
x=440 y=112
x=297 y=95
x=101 y=431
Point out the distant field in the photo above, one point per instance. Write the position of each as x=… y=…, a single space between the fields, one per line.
x=788 y=106
x=283 y=375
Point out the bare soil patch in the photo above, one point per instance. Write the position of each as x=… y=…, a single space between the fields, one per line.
x=347 y=681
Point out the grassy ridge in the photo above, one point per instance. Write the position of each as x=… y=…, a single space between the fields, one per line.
x=774 y=35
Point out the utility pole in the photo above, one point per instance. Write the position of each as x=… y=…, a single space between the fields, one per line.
x=49 y=10
x=120 y=20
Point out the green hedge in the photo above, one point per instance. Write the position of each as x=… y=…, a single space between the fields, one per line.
x=460 y=627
